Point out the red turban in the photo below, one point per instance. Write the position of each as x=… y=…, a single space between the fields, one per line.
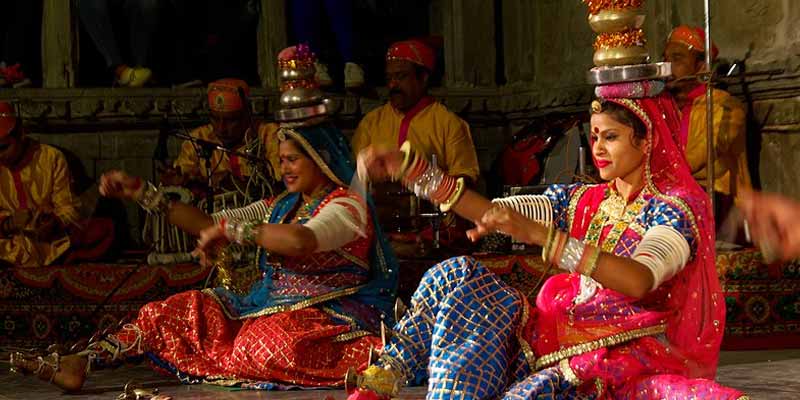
x=415 y=51
x=692 y=37
x=8 y=118
x=226 y=94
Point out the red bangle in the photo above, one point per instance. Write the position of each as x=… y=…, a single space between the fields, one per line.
x=222 y=226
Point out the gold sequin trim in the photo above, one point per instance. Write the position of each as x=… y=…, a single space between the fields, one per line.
x=527 y=351
x=573 y=204
x=568 y=373
x=285 y=307
x=314 y=155
x=613 y=340
x=350 y=320
x=344 y=337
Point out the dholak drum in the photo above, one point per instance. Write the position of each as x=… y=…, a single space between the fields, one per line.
x=397 y=208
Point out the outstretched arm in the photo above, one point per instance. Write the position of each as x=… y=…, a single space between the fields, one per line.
x=625 y=275
x=120 y=185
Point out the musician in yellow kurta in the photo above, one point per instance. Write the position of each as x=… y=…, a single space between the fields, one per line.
x=232 y=127
x=36 y=204
x=685 y=50
x=411 y=114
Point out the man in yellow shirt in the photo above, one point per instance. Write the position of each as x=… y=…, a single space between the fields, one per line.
x=233 y=127
x=37 y=208
x=411 y=114
x=685 y=50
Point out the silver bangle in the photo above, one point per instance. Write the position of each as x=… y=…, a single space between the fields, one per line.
x=153 y=200
x=240 y=232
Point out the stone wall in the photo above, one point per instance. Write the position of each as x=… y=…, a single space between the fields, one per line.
x=545 y=51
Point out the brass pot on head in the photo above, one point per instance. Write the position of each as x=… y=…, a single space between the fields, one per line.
x=621 y=55
x=617 y=20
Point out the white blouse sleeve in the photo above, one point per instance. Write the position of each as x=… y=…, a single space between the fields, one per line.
x=338 y=223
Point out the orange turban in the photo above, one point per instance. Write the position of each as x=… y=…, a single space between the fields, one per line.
x=415 y=51
x=226 y=94
x=8 y=118
x=694 y=38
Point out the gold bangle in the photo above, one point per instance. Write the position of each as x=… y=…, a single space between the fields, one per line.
x=588 y=268
x=449 y=203
x=547 y=243
x=408 y=155
x=560 y=242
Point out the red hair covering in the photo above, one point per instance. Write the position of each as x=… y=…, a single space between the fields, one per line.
x=415 y=51
x=226 y=94
x=8 y=118
x=692 y=37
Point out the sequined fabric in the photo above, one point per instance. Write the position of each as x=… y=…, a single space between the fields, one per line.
x=189 y=335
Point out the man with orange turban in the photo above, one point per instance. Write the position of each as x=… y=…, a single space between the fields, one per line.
x=413 y=115
x=38 y=217
x=685 y=49
x=233 y=127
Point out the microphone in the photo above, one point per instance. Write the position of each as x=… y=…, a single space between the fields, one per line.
x=170 y=258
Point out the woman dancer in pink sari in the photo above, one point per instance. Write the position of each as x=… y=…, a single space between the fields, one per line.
x=639 y=312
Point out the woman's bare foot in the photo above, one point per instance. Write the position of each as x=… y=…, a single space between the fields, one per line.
x=66 y=372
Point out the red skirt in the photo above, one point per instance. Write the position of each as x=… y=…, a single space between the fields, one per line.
x=190 y=331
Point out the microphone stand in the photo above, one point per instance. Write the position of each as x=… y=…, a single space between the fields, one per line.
x=206 y=152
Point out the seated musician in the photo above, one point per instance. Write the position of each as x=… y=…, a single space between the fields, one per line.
x=412 y=114
x=39 y=221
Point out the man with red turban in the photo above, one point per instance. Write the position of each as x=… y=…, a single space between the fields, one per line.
x=413 y=115
x=233 y=127
x=39 y=223
x=686 y=51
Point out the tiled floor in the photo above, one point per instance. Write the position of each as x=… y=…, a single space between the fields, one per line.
x=772 y=375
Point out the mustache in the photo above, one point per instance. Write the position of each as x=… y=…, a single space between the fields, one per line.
x=395 y=91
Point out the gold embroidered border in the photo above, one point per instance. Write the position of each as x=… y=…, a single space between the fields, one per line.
x=613 y=340
x=285 y=307
x=350 y=320
x=530 y=357
x=568 y=373
x=355 y=260
x=344 y=337
x=573 y=204
x=314 y=155
x=620 y=226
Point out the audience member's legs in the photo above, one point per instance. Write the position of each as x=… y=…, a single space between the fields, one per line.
x=142 y=23
x=96 y=19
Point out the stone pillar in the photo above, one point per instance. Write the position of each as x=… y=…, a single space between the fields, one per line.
x=271 y=40
x=59 y=45
x=467 y=27
x=519 y=41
